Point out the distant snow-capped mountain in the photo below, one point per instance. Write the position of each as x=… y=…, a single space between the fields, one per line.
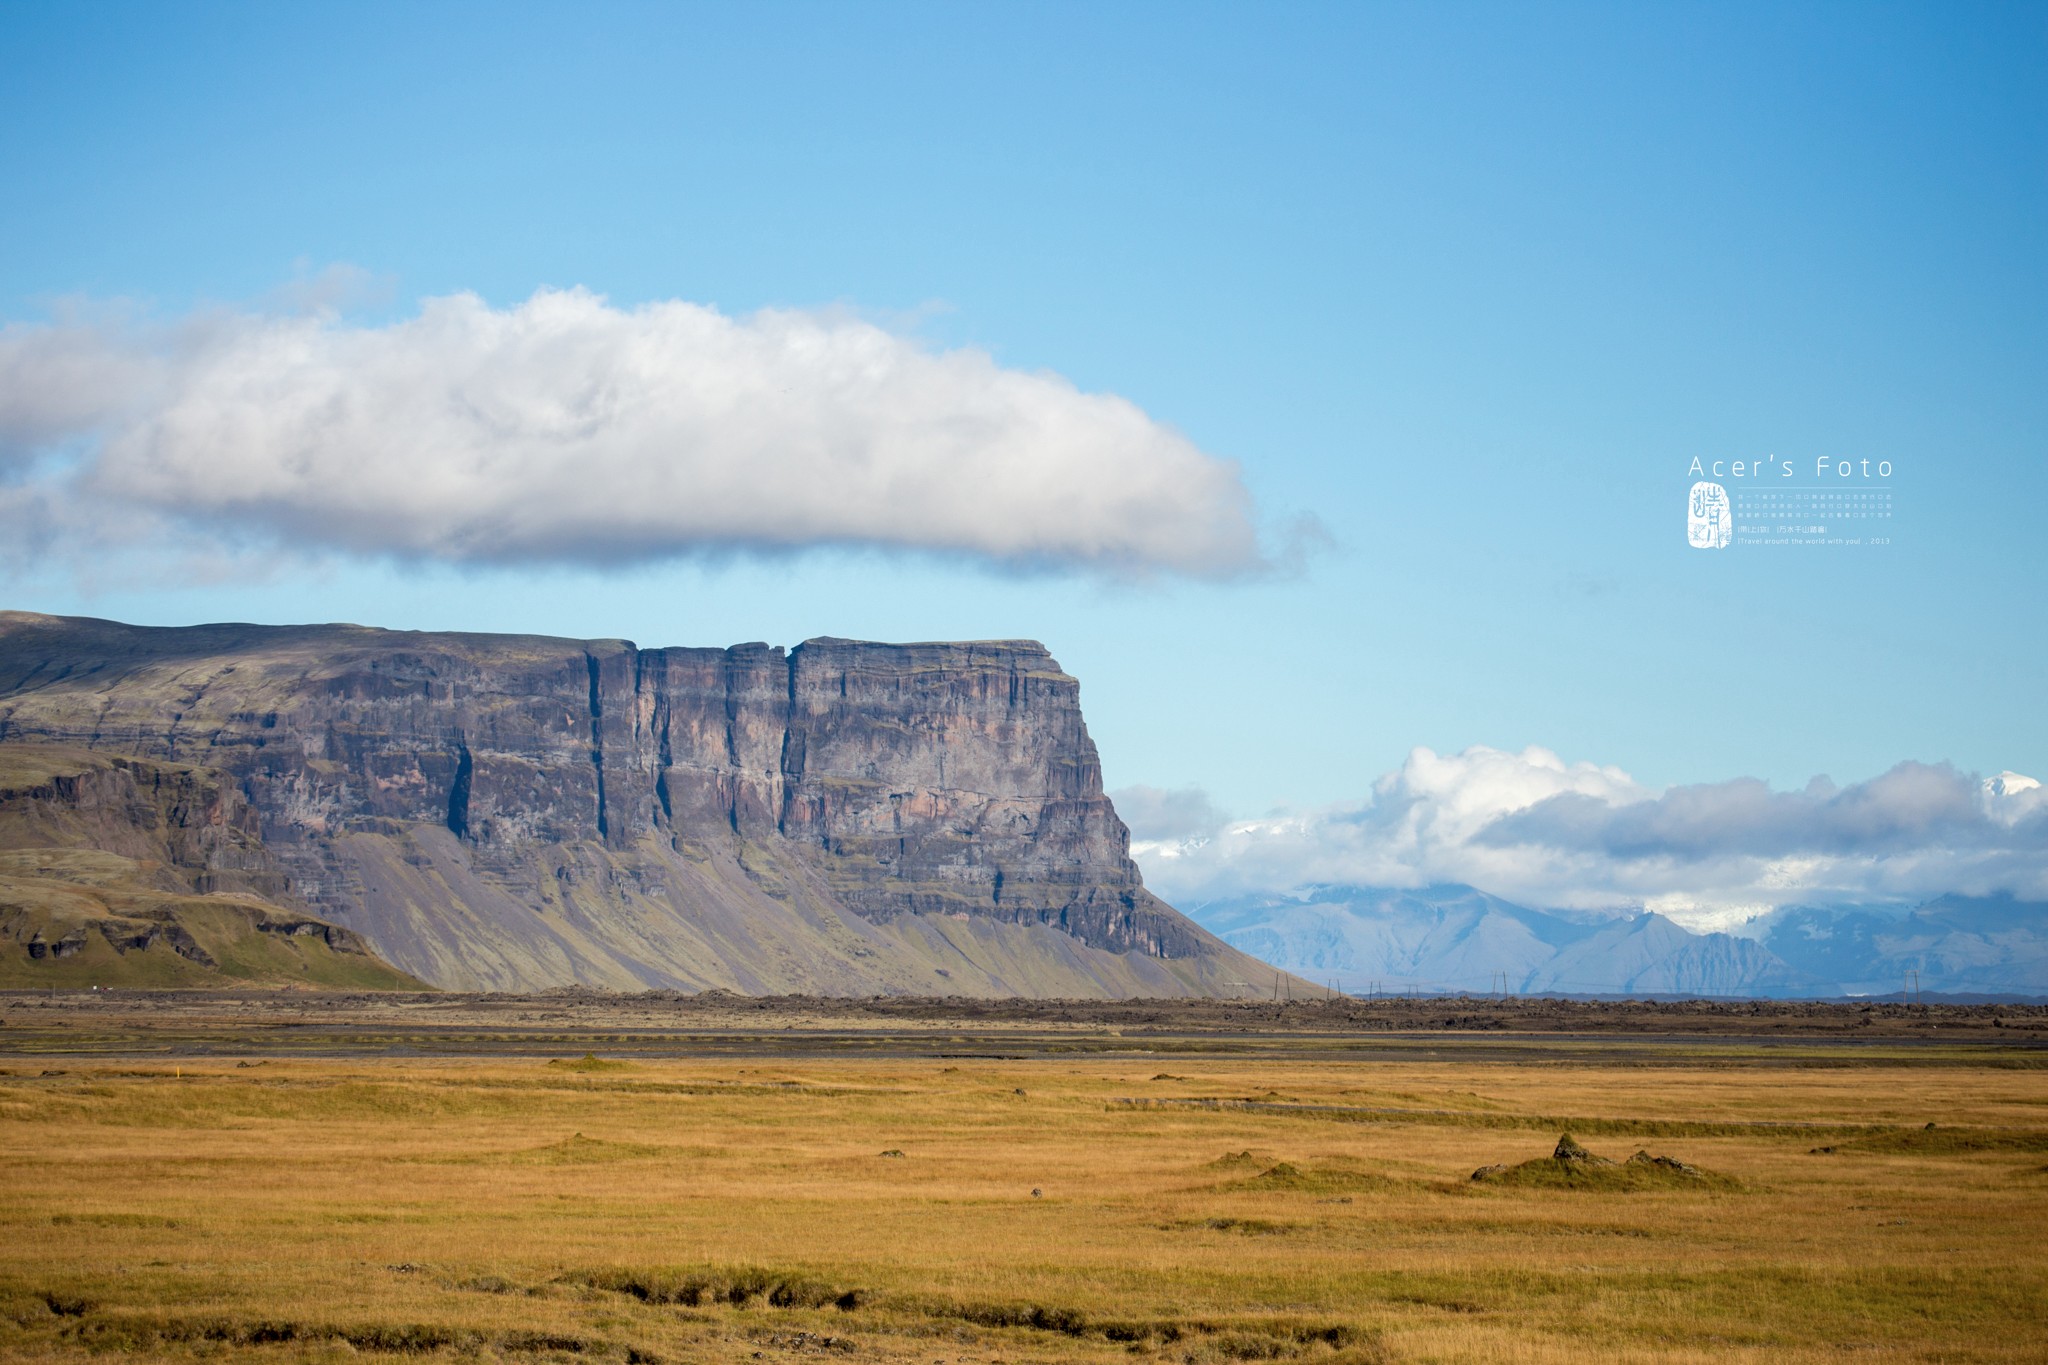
x=1984 y=944
x=1456 y=938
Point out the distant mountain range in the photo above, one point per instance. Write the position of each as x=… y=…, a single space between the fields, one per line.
x=1956 y=944
x=1455 y=938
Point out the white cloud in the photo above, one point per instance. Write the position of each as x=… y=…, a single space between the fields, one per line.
x=1155 y=814
x=1533 y=828
x=567 y=430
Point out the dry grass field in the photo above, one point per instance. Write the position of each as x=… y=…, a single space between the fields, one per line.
x=1154 y=1205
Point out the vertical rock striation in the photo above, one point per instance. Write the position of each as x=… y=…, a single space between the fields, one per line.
x=518 y=811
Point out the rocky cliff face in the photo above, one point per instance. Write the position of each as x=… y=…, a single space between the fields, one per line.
x=128 y=872
x=185 y=829
x=514 y=812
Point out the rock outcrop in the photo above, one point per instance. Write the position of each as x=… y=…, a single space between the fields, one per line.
x=137 y=873
x=519 y=812
x=1572 y=1167
x=185 y=828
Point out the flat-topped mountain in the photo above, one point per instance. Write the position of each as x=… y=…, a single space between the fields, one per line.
x=516 y=812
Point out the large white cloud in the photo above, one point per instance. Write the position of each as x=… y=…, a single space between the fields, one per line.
x=568 y=430
x=1533 y=828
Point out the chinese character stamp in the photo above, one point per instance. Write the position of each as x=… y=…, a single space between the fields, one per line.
x=1708 y=523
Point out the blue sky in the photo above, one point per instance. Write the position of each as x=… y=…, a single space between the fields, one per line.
x=1469 y=284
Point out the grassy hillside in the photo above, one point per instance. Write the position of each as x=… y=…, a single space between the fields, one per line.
x=120 y=873
x=72 y=918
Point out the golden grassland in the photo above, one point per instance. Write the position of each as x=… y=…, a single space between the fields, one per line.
x=973 y=1210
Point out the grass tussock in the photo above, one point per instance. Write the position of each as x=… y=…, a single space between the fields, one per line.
x=1249 y=1227
x=1245 y=1161
x=589 y=1064
x=735 y=1286
x=1315 y=1178
x=147 y=1334
x=578 y=1150
x=1197 y=1339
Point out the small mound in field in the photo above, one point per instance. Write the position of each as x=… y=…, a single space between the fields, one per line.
x=1323 y=1179
x=1281 y=1175
x=1571 y=1167
x=1249 y=1227
x=589 y=1062
x=578 y=1150
x=1237 y=1161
